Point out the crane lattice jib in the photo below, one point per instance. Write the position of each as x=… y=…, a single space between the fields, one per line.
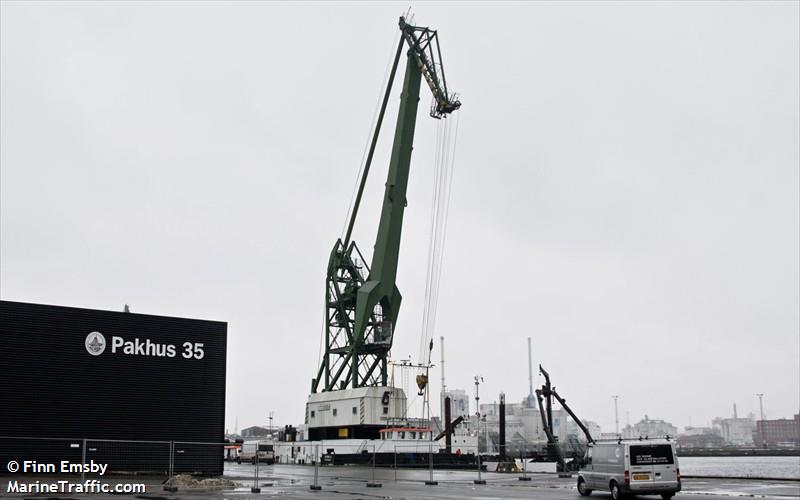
x=424 y=44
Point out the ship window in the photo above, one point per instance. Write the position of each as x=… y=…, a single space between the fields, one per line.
x=334 y=412
x=402 y=434
x=312 y=413
x=385 y=410
x=413 y=435
x=355 y=410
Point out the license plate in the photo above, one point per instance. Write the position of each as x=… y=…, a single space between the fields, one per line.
x=641 y=477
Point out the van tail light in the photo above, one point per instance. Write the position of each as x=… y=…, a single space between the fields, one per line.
x=678 y=474
x=627 y=477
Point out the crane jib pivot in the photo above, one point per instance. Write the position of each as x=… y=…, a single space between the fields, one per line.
x=362 y=303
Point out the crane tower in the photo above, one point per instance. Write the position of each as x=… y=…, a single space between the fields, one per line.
x=362 y=301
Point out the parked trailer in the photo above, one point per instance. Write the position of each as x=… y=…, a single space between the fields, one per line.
x=257 y=450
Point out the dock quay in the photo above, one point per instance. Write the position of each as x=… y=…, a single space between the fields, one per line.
x=350 y=482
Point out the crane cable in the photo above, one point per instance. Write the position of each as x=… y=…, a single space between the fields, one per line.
x=370 y=132
x=444 y=162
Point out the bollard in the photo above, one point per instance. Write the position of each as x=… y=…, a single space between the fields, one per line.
x=316 y=486
x=479 y=480
x=524 y=476
x=430 y=481
x=373 y=484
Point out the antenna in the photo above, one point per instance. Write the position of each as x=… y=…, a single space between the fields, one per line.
x=444 y=387
x=478 y=380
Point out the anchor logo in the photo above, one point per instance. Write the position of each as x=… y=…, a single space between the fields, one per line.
x=95 y=343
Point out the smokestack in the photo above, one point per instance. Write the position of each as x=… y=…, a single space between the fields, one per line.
x=448 y=430
x=531 y=400
x=734 y=411
x=502 y=427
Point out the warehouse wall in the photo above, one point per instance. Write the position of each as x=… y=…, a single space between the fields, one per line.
x=144 y=377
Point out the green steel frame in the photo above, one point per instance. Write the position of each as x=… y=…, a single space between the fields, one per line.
x=363 y=302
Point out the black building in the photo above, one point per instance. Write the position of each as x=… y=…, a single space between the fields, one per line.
x=147 y=392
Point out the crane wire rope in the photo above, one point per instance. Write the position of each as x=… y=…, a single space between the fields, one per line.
x=445 y=219
x=446 y=141
x=426 y=301
x=370 y=132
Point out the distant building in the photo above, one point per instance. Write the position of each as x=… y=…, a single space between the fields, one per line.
x=700 y=437
x=782 y=432
x=698 y=431
x=523 y=425
x=592 y=427
x=649 y=428
x=736 y=431
x=459 y=402
x=701 y=441
x=255 y=432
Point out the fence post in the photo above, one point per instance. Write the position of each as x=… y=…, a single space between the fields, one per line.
x=83 y=461
x=316 y=486
x=255 y=488
x=524 y=468
x=430 y=481
x=479 y=480
x=171 y=466
x=373 y=484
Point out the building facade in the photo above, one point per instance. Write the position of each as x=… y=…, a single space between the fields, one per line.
x=459 y=402
x=648 y=427
x=779 y=433
x=736 y=431
x=113 y=387
x=700 y=437
x=255 y=431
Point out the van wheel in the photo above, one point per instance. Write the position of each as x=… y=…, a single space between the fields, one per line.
x=667 y=496
x=615 y=493
x=582 y=489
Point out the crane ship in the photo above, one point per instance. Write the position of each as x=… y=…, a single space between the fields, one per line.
x=353 y=413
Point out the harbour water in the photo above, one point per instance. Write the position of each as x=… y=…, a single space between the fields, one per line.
x=771 y=467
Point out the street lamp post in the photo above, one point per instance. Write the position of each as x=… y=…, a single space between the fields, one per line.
x=270 y=422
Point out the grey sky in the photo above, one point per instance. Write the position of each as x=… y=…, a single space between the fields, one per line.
x=626 y=188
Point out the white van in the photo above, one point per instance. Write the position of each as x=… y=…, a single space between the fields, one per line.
x=635 y=466
x=256 y=450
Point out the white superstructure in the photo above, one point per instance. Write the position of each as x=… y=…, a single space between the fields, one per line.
x=347 y=408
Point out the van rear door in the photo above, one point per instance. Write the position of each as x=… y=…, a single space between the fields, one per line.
x=651 y=465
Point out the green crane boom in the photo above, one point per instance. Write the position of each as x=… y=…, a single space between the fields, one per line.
x=362 y=303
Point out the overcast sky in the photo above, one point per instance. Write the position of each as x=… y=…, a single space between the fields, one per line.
x=626 y=188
